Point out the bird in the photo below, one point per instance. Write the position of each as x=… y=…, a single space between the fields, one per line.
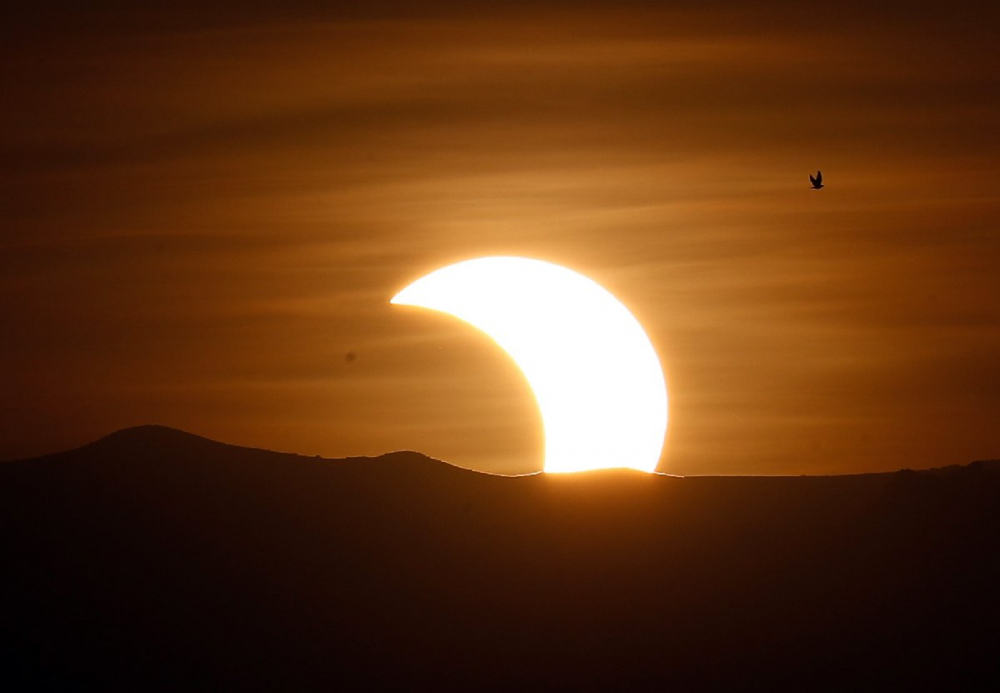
x=817 y=181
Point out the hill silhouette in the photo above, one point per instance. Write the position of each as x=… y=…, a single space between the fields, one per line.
x=154 y=558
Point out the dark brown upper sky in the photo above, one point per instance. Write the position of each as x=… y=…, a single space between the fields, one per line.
x=205 y=213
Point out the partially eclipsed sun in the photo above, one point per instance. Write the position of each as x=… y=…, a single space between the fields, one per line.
x=593 y=370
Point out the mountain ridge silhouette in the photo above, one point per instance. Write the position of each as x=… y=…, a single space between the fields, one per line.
x=161 y=559
x=145 y=438
x=152 y=437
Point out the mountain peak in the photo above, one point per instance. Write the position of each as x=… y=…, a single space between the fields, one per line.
x=158 y=442
x=147 y=432
x=153 y=437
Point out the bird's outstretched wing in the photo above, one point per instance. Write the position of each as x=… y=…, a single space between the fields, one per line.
x=812 y=180
x=819 y=178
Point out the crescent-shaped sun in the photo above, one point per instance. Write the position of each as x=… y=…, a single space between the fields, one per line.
x=590 y=365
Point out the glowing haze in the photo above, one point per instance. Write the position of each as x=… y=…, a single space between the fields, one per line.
x=207 y=205
x=593 y=370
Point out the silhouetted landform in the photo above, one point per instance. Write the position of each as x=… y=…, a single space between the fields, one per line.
x=155 y=559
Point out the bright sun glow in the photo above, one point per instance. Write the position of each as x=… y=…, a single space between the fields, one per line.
x=591 y=366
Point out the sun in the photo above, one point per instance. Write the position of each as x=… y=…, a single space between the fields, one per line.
x=593 y=371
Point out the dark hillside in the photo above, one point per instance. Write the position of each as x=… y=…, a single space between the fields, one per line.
x=157 y=559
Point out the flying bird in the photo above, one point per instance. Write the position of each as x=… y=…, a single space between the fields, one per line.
x=817 y=181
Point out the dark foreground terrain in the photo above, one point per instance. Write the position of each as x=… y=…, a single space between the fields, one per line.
x=157 y=559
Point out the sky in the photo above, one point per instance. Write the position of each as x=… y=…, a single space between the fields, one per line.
x=206 y=212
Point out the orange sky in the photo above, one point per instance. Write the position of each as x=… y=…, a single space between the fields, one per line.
x=204 y=213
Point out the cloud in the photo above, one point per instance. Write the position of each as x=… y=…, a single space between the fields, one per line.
x=202 y=197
